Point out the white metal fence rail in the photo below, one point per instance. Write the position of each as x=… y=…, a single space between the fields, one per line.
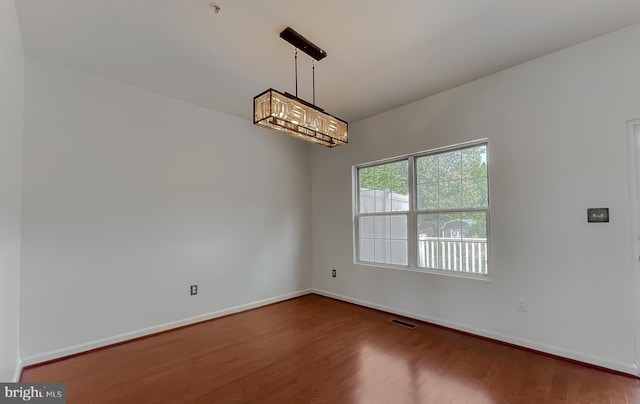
x=460 y=255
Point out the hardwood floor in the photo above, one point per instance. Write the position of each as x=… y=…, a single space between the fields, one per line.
x=317 y=350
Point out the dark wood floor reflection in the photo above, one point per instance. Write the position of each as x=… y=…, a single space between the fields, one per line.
x=318 y=350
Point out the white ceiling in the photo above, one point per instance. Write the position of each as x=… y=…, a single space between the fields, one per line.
x=381 y=54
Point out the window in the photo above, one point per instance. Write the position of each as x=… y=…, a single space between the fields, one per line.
x=427 y=211
x=384 y=204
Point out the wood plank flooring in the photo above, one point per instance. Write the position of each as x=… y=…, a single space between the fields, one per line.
x=317 y=350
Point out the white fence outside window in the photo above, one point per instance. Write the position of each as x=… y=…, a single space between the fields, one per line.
x=467 y=255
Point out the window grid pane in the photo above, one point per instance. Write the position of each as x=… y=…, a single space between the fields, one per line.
x=383 y=239
x=454 y=241
x=453 y=180
x=384 y=187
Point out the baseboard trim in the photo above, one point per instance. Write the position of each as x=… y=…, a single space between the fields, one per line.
x=64 y=353
x=18 y=372
x=580 y=357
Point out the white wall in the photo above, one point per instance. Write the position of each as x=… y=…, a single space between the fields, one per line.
x=556 y=130
x=129 y=197
x=11 y=118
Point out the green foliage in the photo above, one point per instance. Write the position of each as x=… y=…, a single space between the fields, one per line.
x=393 y=176
x=453 y=180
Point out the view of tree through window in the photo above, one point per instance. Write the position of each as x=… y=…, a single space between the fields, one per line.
x=449 y=207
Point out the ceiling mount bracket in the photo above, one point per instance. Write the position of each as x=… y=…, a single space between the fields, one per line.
x=302 y=43
x=215 y=6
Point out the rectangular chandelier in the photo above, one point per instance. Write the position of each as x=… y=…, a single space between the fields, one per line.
x=297 y=118
x=294 y=116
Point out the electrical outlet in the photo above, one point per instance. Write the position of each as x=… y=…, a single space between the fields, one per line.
x=194 y=290
x=333 y=273
x=521 y=304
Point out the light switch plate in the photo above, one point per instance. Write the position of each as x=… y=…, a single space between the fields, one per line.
x=598 y=215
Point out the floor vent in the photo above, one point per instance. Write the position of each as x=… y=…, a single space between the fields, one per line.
x=404 y=324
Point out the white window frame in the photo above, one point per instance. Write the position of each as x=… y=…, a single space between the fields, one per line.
x=412 y=213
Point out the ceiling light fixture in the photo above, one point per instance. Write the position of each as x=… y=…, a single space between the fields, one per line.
x=294 y=116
